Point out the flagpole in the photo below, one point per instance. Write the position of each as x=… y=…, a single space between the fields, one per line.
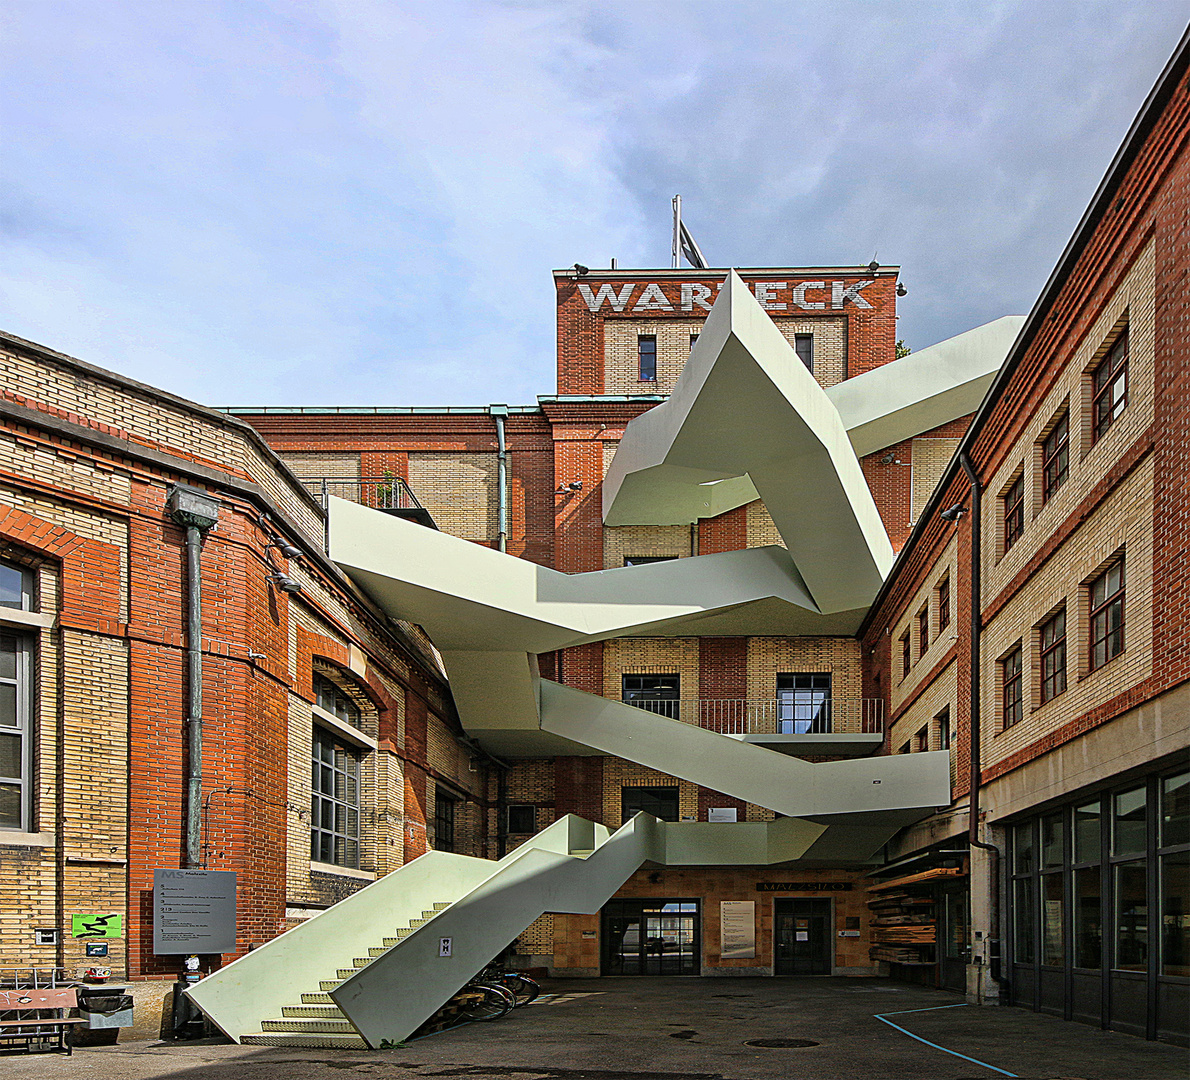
x=677 y=244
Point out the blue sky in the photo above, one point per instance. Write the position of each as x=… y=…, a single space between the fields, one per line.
x=359 y=202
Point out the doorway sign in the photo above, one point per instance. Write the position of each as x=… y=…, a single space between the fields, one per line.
x=737 y=929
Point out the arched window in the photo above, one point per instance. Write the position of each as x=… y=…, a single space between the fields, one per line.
x=336 y=701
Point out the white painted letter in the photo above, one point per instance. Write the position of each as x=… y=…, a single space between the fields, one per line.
x=799 y=295
x=693 y=293
x=606 y=292
x=764 y=294
x=840 y=294
x=653 y=299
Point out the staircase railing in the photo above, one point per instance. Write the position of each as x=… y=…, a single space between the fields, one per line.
x=740 y=716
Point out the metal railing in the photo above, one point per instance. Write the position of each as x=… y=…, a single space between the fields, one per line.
x=379 y=492
x=773 y=716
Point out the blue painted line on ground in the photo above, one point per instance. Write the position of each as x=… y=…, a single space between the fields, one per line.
x=955 y=1053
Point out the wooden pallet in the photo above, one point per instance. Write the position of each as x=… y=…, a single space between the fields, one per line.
x=450 y=1013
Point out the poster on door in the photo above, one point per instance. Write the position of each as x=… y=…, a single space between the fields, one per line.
x=737 y=929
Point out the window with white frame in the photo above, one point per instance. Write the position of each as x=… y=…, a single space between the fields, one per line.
x=334 y=801
x=16 y=702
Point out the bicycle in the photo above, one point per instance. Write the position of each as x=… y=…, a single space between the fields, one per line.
x=524 y=988
x=495 y=1001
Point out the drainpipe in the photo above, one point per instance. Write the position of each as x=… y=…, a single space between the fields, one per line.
x=499 y=413
x=197 y=512
x=993 y=943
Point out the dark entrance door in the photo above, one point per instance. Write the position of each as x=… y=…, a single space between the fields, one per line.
x=651 y=937
x=801 y=937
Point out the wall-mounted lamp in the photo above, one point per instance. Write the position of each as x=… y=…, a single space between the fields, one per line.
x=901 y=290
x=581 y=270
x=888 y=458
x=283 y=546
x=285 y=583
x=873 y=266
x=953 y=513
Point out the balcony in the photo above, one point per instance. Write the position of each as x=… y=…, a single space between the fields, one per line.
x=809 y=726
x=389 y=494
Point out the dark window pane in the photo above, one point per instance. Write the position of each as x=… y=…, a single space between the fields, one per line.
x=1051 y=841
x=10 y=806
x=1128 y=826
x=646 y=347
x=522 y=819
x=661 y=802
x=944 y=605
x=1086 y=833
x=1088 y=918
x=803 y=345
x=804 y=703
x=1175 y=810
x=1053 y=952
x=8 y=705
x=1023 y=920
x=8 y=656
x=1014 y=512
x=1132 y=917
x=10 y=756
x=1175 y=914
x=1055 y=457
x=1023 y=849
x=654 y=693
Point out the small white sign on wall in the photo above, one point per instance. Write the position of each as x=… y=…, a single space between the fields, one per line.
x=722 y=813
x=444 y=945
x=737 y=929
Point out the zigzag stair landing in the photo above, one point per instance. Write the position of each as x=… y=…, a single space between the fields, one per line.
x=369 y=969
x=317 y=1023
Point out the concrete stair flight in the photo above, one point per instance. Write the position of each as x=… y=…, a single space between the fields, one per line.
x=371 y=968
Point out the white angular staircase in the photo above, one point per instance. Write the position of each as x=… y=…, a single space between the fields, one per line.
x=369 y=970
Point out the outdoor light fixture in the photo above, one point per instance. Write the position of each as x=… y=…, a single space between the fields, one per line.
x=953 y=513
x=285 y=583
x=873 y=266
x=575 y=485
x=283 y=546
x=581 y=270
x=888 y=458
x=901 y=290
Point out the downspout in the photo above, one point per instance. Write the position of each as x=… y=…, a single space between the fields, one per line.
x=499 y=413
x=197 y=512
x=993 y=945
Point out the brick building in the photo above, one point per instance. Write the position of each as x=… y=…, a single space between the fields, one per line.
x=1032 y=633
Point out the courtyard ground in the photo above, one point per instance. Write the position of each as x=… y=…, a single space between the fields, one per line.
x=680 y=1029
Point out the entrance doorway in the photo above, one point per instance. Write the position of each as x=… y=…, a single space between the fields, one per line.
x=802 y=937
x=651 y=937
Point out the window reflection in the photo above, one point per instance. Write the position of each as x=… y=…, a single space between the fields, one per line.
x=1132 y=917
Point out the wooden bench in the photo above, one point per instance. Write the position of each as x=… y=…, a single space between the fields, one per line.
x=58 y=1026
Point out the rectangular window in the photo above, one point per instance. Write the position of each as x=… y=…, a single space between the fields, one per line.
x=15 y=728
x=906 y=655
x=654 y=693
x=522 y=819
x=334 y=802
x=1014 y=512
x=1107 y=615
x=1024 y=920
x=335 y=700
x=1053 y=947
x=1132 y=917
x=1109 y=387
x=1175 y=919
x=1053 y=656
x=1088 y=918
x=1129 y=823
x=661 y=802
x=1175 y=810
x=804 y=703
x=921 y=741
x=1086 y=833
x=642 y=560
x=693 y=341
x=646 y=352
x=445 y=805
x=923 y=630
x=943 y=604
x=803 y=345
x=942 y=721
x=16 y=587
x=1055 y=457
x=1010 y=688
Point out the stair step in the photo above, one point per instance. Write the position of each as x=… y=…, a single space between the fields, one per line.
x=442 y=905
x=318 y=1026
x=307 y=1040
x=320 y=999
x=344 y=974
x=362 y=961
x=328 y=1012
x=329 y=984
x=379 y=950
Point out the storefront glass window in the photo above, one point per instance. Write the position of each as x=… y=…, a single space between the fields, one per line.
x=1132 y=917
x=1053 y=953
x=1128 y=826
x=1175 y=810
x=1023 y=920
x=1023 y=849
x=1088 y=918
x=1175 y=919
x=1086 y=833
x=1051 y=841
x=957 y=947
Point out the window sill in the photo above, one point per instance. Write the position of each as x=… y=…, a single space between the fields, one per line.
x=15 y=617
x=341 y=871
x=16 y=838
x=344 y=730
x=1106 y=664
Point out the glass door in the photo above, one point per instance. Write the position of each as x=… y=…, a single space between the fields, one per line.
x=651 y=937
x=801 y=937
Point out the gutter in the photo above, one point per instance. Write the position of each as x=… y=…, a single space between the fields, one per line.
x=500 y=414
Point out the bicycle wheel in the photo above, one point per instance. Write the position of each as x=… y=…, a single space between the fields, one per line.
x=495 y=1003
x=523 y=987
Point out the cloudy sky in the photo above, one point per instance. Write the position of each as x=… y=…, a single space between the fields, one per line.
x=359 y=202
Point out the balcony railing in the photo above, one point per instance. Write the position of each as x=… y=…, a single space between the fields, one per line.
x=737 y=716
x=388 y=493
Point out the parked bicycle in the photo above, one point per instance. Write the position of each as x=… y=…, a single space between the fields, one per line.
x=524 y=988
x=486 y=1000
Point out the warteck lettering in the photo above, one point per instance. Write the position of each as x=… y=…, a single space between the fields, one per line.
x=771 y=295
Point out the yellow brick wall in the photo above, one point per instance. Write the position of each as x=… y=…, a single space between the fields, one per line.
x=930 y=458
x=770 y=656
x=459 y=491
x=339 y=466
x=944 y=570
x=618 y=774
x=1123 y=522
x=941 y=693
x=622 y=362
x=761 y=530
x=650 y=656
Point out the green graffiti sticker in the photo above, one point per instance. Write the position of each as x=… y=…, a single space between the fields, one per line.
x=97 y=926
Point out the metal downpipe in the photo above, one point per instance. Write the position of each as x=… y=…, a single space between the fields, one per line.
x=194 y=695
x=499 y=413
